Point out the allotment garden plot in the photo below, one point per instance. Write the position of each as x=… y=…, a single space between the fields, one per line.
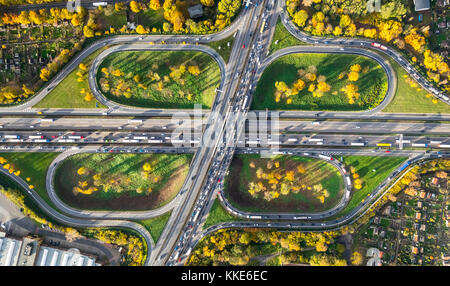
x=321 y=82
x=159 y=79
x=120 y=181
x=283 y=184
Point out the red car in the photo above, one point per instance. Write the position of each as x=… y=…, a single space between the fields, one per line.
x=387 y=151
x=243 y=46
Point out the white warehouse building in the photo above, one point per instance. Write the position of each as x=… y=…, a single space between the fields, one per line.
x=56 y=257
x=9 y=251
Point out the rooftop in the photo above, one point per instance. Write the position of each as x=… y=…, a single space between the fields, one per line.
x=421 y=5
x=55 y=257
x=195 y=11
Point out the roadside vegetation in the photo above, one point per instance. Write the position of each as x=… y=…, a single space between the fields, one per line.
x=217 y=215
x=171 y=17
x=31 y=167
x=120 y=181
x=283 y=184
x=39 y=43
x=410 y=97
x=135 y=247
x=396 y=24
x=407 y=222
x=371 y=171
x=73 y=91
x=252 y=246
x=321 y=82
x=283 y=39
x=156 y=225
x=159 y=79
x=223 y=47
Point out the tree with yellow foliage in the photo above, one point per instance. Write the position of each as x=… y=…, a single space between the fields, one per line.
x=337 y=31
x=135 y=6
x=155 y=5
x=88 y=96
x=141 y=30
x=194 y=70
x=344 y=21
x=82 y=171
x=323 y=86
x=45 y=74
x=300 y=18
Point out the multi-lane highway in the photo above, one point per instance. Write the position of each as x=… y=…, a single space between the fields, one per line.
x=224 y=131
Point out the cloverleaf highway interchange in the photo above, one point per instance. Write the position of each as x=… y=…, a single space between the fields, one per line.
x=222 y=147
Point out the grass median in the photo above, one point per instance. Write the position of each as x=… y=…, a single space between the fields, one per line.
x=283 y=184
x=120 y=181
x=329 y=71
x=67 y=93
x=159 y=79
x=33 y=168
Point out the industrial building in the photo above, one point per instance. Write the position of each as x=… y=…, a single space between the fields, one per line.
x=27 y=252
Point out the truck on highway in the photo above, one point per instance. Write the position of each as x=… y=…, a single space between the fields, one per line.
x=357 y=144
x=11 y=136
x=135 y=121
x=196 y=214
x=325 y=157
x=315 y=139
x=245 y=102
x=444 y=145
x=255 y=216
x=300 y=217
x=96 y=4
x=75 y=137
x=47 y=120
x=262 y=26
x=140 y=137
x=188 y=252
x=348 y=180
x=419 y=145
x=384 y=144
x=292 y=140
x=35 y=137
x=154 y=141
x=41 y=140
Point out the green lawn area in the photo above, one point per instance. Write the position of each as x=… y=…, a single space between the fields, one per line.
x=116 y=20
x=120 y=181
x=217 y=215
x=372 y=83
x=153 y=68
x=294 y=195
x=364 y=166
x=67 y=93
x=284 y=38
x=32 y=165
x=408 y=99
x=224 y=50
x=150 y=18
x=156 y=225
